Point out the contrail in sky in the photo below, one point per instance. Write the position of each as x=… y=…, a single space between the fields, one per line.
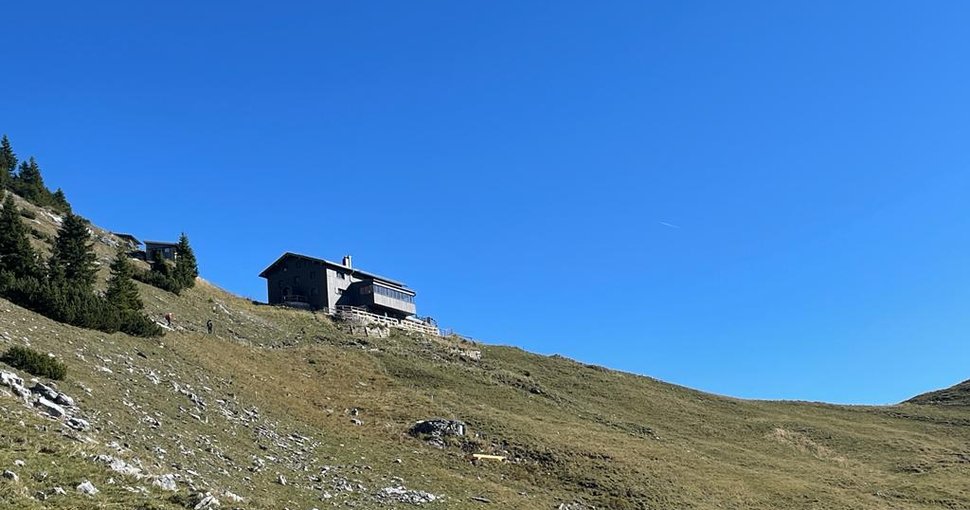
x=671 y=225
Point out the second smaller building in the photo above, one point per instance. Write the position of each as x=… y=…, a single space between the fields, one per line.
x=168 y=251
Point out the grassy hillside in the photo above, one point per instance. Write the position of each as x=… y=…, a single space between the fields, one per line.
x=287 y=410
x=956 y=395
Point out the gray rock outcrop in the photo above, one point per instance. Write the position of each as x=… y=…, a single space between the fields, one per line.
x=435 y=430
x=88 y=488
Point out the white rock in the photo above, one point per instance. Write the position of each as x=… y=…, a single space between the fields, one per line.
x=233 y=497
x=15 y=383
x=49 y=407
x=402 y=494
x=10 y=475
x=207 y=501
x=10 y=379
x=119 y=466
x=78 y=423
x=45 y=391
x=18 y=463
x=64 y=400
x=86 y=487
x=165 y=482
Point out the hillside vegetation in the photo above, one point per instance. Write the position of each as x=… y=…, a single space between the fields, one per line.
x=283 y=408
x=957 y=395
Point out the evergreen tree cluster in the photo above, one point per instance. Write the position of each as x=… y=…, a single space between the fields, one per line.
x=35 y=363
x=173 y=279
x=27 y=181
x=62 y=287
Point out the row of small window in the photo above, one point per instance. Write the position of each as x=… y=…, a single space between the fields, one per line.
x=287 y=291
x=391 y=293
x=313 y=274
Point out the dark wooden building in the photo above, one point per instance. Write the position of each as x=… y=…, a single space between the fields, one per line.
x=169 y=251
x=308 y=282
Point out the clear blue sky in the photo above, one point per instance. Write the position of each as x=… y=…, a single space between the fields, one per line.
x=765 y=200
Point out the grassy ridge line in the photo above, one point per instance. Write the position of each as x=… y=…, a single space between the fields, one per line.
x=956 y=395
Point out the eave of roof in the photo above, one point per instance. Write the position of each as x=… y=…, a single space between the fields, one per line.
x=125 y=236
x=161 y=243
x=325 y=262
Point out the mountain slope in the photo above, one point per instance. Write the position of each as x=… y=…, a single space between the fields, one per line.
x=956 y=395
x=287 y=409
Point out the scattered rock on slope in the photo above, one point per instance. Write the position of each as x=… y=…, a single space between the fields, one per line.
x=15 y=383
x=45 y=398
x=86 y=487
x=436 y=429
x=204 y=501
x=49 y=407
x=574 y=506
x=165 y=482
x=401 y=494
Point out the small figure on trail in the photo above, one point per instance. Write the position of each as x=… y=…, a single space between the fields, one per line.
x=168 y=318
x=208 y=325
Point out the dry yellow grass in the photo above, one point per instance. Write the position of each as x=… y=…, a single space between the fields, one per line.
x=571 y=432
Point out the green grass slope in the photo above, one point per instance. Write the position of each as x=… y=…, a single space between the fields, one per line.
x=286 y=409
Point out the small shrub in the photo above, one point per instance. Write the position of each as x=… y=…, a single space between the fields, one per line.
x=27 y=213
x=136 y=324
x=158 y=280
x=35 y=363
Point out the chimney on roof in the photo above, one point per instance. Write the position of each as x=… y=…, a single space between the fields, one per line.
x=348 y=263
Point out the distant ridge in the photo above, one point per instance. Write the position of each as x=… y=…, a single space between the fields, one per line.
x=957 y=395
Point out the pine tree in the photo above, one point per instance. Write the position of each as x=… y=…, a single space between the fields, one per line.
x=60 y=202
x=8 y=162
x=122 y=297
x=29 y=184
x=16 y=255
x=161 y=275
x=186 y=267
x=72 y=261
x=160 y=266
x=122 y=292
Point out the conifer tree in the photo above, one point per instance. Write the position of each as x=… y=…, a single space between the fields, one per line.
x=122 y=292
x=17 y=257
x=29 y=184
x=8 y=162
x=122 y=297
x=60 y=202
x=72 y=261
x=161 y=275
x=186 y=267
x=160 y=266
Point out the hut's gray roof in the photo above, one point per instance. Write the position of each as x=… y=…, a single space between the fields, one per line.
x=353 y=271
x=161 y=243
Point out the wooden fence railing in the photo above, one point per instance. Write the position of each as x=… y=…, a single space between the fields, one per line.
x=353 y=313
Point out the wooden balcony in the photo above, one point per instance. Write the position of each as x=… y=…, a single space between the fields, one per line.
x=296 y=301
